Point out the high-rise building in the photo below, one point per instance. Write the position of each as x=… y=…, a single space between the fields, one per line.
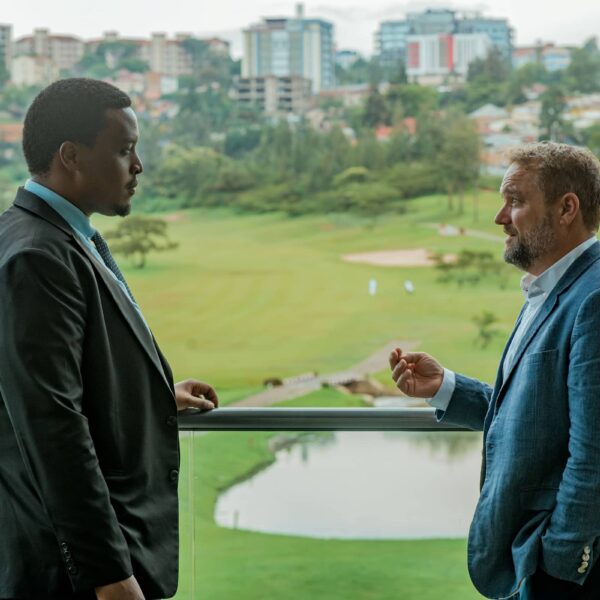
x=287 y=47
x=498 y=30
x=391 y=39
x=6 y=45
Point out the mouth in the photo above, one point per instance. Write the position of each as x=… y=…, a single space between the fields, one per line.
x=131 y=187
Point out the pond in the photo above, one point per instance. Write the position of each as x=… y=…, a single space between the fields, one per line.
x=371 y=485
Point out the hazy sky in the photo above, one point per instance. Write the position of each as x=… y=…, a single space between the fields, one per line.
x=355 y=22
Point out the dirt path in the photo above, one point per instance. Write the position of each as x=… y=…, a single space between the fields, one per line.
x=483 y=235
x=303 y=384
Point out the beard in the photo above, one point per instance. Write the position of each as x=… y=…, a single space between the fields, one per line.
x=531 y=245
x=122 y=210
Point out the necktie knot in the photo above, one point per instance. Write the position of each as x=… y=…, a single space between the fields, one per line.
x=109 y=261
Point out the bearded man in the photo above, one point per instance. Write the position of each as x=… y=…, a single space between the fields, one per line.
x=535 y=534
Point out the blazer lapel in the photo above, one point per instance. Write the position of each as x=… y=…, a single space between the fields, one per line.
x=37 y=206
x=129 y=312
x=590 y=256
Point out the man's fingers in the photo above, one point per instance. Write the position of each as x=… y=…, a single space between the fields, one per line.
x=406 y=381
x=201 y=403
x=210 y=394
x=395 y=357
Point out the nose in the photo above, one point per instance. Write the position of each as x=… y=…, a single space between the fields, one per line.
x=503 y=215
x=136 y=166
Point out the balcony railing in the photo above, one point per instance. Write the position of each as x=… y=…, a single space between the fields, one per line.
x=314 y=419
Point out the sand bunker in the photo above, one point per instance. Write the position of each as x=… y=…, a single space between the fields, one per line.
x=418 y=257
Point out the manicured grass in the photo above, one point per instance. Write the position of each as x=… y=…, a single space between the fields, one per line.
x=244 y=298
x=221 y=564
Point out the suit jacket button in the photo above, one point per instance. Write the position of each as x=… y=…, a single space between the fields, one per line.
x=585 y=557
x=172 y=421
x=173 y=475
x=587 y=550
x=64 y=545
x=72 y=569
x=582 y=570
x=585 y=564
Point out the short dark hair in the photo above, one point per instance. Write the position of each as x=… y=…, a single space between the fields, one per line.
x=562 y=168
x=68 y=110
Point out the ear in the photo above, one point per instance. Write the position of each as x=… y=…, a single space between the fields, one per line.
x=69 y=156
x=568 y=208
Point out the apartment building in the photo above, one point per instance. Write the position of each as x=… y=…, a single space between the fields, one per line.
x=65 y=51
x=6 y=45
x=275 y=95
x=290 y=47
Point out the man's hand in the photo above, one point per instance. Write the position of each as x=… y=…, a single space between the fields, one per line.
x=195 y=394
x=416 y=374
x=128 y=589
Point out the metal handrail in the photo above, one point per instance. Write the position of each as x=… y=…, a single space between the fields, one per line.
x=313 y=419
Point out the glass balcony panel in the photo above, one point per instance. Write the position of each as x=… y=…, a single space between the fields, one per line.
x=362 y=515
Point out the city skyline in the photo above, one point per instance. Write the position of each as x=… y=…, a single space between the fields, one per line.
x=354 y=24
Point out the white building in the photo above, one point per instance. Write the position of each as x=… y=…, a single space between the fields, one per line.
x=33 y=70
x=440 y=55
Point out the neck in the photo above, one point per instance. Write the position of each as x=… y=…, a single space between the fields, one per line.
x=57 y=185
x=562 y=249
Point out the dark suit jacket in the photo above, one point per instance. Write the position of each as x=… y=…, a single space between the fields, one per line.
x=89 y=453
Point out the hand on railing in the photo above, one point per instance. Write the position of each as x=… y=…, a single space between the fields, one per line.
x=195 y=394
x=128 y=589
x=416 y=374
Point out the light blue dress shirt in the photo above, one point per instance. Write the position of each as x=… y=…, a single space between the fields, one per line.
x=536 y=290
x=79 y=223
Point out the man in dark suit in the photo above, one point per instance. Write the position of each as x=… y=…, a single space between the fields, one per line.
x=535 y=534
x=89 y=453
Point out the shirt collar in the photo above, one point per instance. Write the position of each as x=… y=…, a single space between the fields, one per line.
x=67 y=210
x=537 y=288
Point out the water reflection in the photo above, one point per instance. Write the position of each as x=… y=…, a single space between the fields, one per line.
x=361 y=485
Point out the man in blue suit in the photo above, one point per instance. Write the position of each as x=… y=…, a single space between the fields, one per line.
x=535 y=534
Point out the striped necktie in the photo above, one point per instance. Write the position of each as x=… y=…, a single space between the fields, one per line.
x=109 y=261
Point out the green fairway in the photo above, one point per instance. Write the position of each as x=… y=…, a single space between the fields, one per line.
x=252 y=566
x=244 y=298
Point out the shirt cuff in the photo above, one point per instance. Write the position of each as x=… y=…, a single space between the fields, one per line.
x=444 y=394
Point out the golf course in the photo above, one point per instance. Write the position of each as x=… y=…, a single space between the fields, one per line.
x=244 y=298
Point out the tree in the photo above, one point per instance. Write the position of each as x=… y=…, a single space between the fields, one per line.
x=583 y=72
x=459 y=158
x=485 y=329
x=591 y=138
x=376 y=111
x=554 y=104
x=492 y=68
x=136 y=236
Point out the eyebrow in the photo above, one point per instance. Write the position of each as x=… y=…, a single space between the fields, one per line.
x=509 y=189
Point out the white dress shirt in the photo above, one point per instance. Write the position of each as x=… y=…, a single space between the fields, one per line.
x=536 y=290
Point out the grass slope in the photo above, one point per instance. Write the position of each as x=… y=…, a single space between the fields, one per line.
x=248 y=297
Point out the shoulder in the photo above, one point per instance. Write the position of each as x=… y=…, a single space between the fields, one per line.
x=27 y=236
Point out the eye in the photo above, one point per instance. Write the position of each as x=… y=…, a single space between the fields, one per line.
x=125 y=151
